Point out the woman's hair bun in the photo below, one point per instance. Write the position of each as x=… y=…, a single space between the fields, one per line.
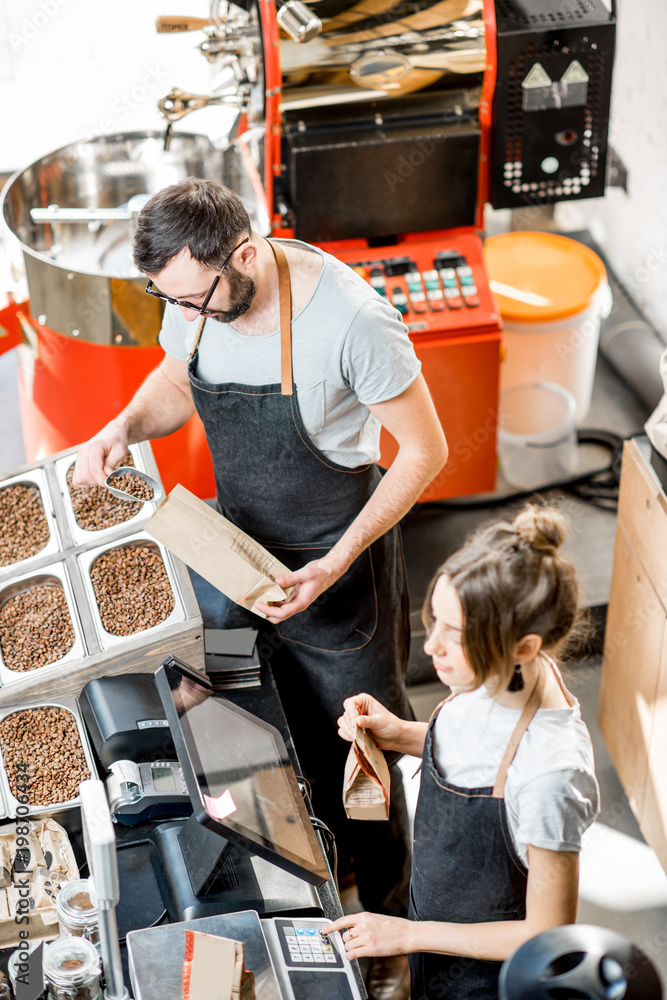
x=544 y=528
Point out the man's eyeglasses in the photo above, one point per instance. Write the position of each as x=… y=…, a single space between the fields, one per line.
x=188 y=305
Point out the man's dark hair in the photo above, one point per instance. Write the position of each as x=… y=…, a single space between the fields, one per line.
x=202 y=215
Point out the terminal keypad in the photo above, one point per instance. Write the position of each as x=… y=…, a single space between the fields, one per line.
x=305 y=946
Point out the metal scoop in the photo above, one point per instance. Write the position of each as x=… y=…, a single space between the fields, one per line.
x=125 y=470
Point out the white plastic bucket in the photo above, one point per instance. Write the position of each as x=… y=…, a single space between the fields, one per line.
x=537 y=436
x=553 y=294
x=563 y=351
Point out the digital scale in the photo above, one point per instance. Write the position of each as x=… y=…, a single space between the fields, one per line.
x=290 y=958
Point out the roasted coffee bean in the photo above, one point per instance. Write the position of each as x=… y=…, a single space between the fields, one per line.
x=133 y=485
x=42 y=755
x=95 y=508
x=35 y=627
x=24 y=530
x=132 y=589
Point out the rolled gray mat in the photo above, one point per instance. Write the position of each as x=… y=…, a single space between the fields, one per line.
x=633 y=349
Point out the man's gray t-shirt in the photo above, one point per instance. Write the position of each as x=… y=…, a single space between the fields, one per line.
x=349 y=349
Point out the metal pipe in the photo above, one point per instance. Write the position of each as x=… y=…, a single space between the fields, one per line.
x=54 y=213
x=111 y=960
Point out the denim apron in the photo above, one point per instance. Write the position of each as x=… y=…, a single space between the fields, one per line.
x=275 y=484
x=465 y=868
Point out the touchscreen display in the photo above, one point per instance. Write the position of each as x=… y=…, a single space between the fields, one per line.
x=243 y=775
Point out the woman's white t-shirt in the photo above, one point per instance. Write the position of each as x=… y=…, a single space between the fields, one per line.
x=551 y=792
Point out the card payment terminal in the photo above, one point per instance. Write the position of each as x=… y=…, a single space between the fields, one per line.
x=138 y=792
x=309 y=965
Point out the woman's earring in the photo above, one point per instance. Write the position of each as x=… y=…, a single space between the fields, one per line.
x=516 y=683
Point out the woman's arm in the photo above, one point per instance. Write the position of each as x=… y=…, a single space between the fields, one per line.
x=551 y=900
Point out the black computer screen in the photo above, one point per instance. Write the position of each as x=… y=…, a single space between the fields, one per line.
x=239 y=775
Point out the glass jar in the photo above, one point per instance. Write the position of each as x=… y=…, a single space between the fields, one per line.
x=18 y=961
x=77 y=915
x=72 y=970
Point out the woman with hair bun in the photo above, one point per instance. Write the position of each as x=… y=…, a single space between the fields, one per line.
x=508 y=784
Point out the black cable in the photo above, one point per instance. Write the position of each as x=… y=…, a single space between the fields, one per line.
x=329 y=846
x=599 y=488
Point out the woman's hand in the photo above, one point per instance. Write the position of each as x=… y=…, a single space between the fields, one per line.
x=364 y=710
x=389 y=731
x=373 y=934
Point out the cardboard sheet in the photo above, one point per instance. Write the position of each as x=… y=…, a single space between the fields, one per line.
x=213 y=969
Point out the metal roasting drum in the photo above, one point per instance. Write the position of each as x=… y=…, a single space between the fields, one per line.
x=79 y=269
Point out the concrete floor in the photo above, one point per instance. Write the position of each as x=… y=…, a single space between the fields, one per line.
x=622 y=884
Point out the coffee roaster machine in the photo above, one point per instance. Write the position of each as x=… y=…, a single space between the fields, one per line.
x=377 y=129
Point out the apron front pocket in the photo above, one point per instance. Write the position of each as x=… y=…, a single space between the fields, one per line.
x=345 y=616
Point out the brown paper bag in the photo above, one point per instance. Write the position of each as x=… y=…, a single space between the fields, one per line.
x=216 y=549
x=56 y=849
x=366 y=783
x=213 y=969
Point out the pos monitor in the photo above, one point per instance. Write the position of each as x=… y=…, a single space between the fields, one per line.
x=241 y=783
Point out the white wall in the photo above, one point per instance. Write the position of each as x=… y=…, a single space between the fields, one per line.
x=632 y=227
x=73 y=69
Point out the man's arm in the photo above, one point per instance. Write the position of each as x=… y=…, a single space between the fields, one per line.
x=160 y=406
x=422 y=452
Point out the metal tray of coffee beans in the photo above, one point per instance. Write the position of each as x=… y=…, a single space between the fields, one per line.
x=38 y=616
x=93 y=513
x=29 y=530
x=140 y=591
x=44 y=755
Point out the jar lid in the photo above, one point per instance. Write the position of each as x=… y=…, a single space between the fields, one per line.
x=75 y=904
x=537 y=277
x=70 y=961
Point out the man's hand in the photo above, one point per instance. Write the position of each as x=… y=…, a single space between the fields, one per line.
x=98 y=457
x=309 y=582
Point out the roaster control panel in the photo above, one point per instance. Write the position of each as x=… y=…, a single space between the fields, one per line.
x=437 y=285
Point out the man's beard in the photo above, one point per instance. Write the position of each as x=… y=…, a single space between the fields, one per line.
x=242 y=290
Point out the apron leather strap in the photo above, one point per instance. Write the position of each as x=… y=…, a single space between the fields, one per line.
x=197 y=337
x=525 y=719
x=285 y=292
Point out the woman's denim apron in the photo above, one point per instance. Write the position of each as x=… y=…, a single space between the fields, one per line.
x=465 y=869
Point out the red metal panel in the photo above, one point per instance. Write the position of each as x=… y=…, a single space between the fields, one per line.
x=69 y=389
x=462 y=374
x=10 y=327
